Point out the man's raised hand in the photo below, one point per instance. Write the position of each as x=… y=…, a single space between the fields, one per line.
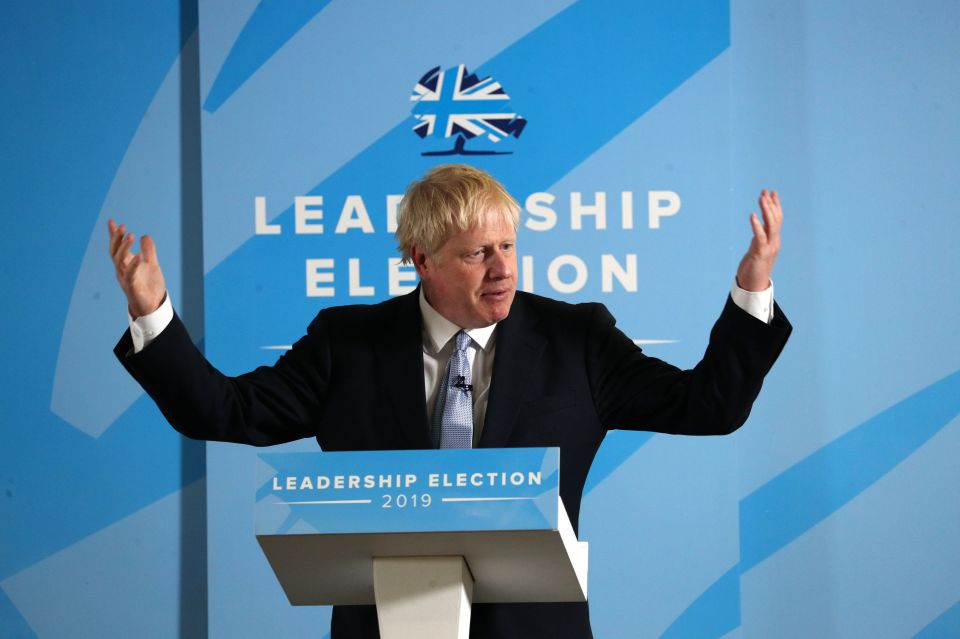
x=139 y=274
x=756 y=267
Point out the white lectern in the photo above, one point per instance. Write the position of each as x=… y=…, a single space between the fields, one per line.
x=422 y=534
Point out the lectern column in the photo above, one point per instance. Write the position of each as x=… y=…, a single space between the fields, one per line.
x=421 y=597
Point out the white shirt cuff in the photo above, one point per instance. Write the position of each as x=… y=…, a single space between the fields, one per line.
x=144 y=330
x=759 y=304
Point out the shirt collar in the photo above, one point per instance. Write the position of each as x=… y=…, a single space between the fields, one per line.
x=438 y=329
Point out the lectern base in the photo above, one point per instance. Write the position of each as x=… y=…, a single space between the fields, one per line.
x=421 y=597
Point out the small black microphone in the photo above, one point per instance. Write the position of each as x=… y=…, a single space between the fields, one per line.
x=462 y=384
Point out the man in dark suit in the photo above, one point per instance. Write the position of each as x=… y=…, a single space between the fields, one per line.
x=537 y=372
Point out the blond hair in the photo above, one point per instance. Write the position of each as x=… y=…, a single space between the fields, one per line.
x=448 y=199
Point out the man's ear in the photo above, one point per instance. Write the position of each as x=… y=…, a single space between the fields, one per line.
x=419 y=259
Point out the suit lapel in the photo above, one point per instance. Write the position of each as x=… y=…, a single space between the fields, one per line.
x=518 y=349
x=400 y=363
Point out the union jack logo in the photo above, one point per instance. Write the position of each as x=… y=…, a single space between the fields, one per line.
x=457 y=104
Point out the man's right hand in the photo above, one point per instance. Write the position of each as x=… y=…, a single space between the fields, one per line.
x=139 y=274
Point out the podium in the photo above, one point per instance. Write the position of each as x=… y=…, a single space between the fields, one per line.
x=421 y=534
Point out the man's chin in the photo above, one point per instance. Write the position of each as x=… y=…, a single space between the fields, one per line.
x=498 y=309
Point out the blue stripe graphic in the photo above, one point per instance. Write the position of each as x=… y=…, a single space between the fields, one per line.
x=795 y=501
x=271 y=26
x=96 y=472
x=616 y=449
x=82 y=116
x=946 y=626
x=12 y=623
x=816 y=487
x=715 y=613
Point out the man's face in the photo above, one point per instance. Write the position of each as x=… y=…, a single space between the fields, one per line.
x=472 y=278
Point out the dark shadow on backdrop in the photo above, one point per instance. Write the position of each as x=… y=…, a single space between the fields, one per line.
x=193 y=499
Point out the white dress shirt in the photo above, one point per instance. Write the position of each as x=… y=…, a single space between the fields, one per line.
x=438 y=345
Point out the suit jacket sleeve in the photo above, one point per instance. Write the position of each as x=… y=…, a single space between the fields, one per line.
x=269 y=405
x=634 y=391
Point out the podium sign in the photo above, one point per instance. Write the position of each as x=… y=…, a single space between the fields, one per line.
x=322 y=519
x=407 y=491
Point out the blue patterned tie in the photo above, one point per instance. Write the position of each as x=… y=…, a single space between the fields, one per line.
x=453 y=414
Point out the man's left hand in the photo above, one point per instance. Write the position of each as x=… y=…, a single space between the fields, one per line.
x=756 y=267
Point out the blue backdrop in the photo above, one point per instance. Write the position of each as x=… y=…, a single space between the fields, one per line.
x=636 y=137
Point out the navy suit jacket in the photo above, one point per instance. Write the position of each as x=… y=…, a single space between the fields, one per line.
x=563 y=375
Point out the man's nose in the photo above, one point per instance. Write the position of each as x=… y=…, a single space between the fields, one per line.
x=500 y=265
